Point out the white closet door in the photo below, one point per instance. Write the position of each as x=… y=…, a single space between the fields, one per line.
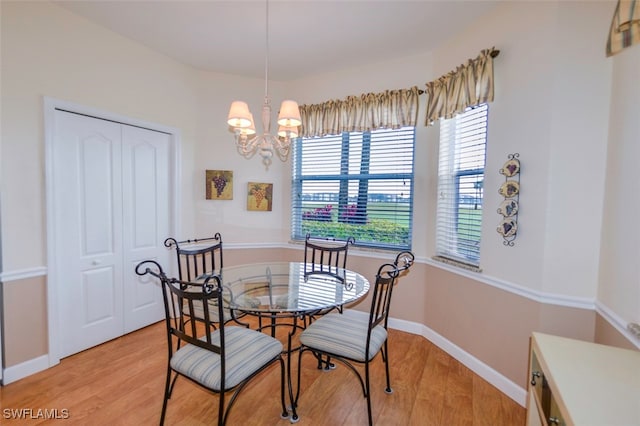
x=112 y=195
x=146 y=177
x=88 y=216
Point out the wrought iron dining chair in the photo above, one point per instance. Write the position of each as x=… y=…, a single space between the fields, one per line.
x=355 y=339
x=325 y=255
x=196 y=258
x=220 y=358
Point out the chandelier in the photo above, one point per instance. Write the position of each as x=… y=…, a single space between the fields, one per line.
x=241 y=122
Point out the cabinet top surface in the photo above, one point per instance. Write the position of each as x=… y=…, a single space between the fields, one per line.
x=596 y=384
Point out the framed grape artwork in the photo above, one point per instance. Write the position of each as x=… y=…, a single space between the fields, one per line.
x=219 y=185
x=259 y=196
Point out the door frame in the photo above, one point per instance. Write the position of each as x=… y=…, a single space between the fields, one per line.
x=50 y=106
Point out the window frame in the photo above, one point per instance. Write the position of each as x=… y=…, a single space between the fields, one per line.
x=449 y=226
x=363 y=179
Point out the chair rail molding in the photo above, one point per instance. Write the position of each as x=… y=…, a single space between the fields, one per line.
x=535 y=295
x=22 y=274
x=617 y=322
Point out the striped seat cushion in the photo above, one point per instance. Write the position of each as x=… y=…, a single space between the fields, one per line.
x=343 y=335
x=247 y=351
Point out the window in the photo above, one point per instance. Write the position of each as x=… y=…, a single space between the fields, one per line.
x=460 y=180
x=355 y=184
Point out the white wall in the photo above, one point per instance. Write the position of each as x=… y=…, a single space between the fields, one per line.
x=216 y=151
x=551 y=102
x=619 y=284
x=47 y=51
x=578 y=110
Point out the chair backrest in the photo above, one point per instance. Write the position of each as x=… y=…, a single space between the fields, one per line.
x=181 y=297
x=325 y=252
x=197 y=257
x=404 y=260
x=386 y=278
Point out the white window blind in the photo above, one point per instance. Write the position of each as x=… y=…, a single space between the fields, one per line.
x=355 y=185
x=460 y=185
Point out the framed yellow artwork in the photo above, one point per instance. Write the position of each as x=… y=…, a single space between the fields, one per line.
x=259 y=196
x=219 y=185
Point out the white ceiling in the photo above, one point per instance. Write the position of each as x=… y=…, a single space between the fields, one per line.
x=305 y=36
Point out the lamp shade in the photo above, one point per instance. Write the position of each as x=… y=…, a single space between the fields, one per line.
x=284 y=131
x=239 y=115
x=289 y=115
x=251 y=130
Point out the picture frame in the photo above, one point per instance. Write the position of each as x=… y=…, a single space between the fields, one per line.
x=219 y=185
x=259 y=196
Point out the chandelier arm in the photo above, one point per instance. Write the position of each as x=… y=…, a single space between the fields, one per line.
x=281 y=147
x=247 y=147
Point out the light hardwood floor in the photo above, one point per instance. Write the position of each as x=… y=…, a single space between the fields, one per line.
x=121 y=382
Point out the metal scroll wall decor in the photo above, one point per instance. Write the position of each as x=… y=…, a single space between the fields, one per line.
x=510 y=190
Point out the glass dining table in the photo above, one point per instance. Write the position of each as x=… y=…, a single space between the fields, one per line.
x=289 y=289
x=277 y=291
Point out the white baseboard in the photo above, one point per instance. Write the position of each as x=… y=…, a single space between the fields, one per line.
x=27 y=368
x=503 y=384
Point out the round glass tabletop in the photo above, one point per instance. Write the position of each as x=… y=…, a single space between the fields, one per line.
x=290 y=287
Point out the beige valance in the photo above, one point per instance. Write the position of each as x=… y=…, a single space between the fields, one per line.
x=391 y=109
x=469 y=85
x=625 y=26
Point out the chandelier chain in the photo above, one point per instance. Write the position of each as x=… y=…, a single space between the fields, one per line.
x=266 y=55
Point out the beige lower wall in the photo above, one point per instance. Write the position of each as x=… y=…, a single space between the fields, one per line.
x=491 y=324
x=25 y=320
x=606 y=334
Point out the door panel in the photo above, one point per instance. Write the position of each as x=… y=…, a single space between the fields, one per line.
x=146 y=177
x=98 y=297
x=96 y=191
x=88 y=210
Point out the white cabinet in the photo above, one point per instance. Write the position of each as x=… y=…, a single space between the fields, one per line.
x=572 y=382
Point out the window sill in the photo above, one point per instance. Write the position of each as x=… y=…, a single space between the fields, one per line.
x=457 y=263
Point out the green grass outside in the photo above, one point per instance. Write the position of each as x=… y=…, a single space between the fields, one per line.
x=382 y=228
x=383 y=211
x=470 y=224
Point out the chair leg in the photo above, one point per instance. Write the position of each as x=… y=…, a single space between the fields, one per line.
x=167 y=394
x=385 y=358
x=323 y=364
x=294 y=394
x=173 y=383
x=221 y=412
x=285 y=413
x=328 y=365
x=368 y=392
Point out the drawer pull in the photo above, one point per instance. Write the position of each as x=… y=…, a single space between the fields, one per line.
x=554 y=421
x=534 y=375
